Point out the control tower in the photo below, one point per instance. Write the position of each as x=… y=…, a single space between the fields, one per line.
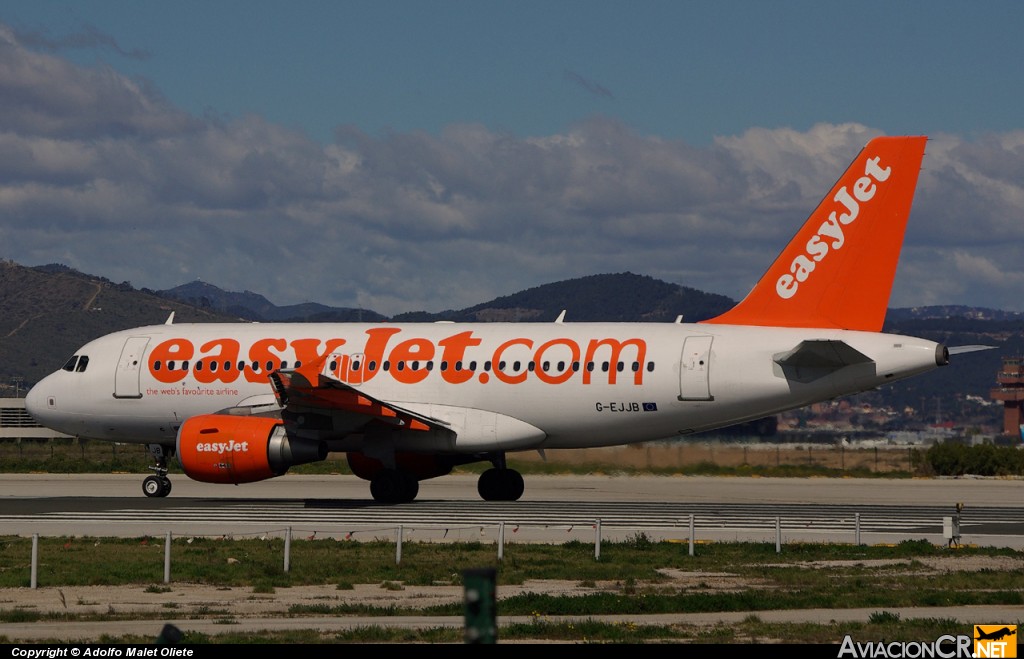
x=1011 y=392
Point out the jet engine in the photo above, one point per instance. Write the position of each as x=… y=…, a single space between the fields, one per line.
x=222 y=448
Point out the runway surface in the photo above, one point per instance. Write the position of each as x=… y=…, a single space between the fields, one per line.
x=554 y=509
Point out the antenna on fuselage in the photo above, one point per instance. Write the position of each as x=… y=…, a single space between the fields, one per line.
x=561 y=317
x=170 y=319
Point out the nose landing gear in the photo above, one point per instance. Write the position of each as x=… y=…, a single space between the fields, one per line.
x=157 y=485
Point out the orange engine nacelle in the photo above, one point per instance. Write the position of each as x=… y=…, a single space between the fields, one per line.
x=420 y=465
x=220 y=448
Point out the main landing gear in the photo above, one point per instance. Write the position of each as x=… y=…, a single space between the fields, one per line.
x=394 y=486
x=500 y=483
x=401 y=483
x=157 y=485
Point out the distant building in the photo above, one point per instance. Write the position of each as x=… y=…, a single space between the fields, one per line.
x=1011 y=392
x=17 y=423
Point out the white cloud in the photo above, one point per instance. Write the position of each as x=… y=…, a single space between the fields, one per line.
x=101 y=173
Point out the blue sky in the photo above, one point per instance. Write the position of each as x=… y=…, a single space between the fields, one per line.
x=687 y=70
x=433 y=155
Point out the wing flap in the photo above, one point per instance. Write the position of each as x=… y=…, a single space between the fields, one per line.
x=310 y=387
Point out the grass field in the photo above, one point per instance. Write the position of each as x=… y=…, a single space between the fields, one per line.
x=539 y=583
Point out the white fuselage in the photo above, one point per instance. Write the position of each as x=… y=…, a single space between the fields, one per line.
x=569 y=384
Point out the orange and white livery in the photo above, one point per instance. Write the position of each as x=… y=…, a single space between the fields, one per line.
x=239 y=403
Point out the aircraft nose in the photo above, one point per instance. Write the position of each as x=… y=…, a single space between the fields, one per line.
x=36 y=403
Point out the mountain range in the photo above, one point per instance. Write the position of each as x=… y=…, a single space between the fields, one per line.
x=48 y=312
x=607 y=297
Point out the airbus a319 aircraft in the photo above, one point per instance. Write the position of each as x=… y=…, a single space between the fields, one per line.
x=243 y=402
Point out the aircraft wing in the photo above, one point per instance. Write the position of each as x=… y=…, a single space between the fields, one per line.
x=308 y=387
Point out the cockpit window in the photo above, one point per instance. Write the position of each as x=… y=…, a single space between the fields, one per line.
x=77 y=364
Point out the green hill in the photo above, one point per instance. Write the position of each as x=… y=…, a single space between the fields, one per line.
x=48 y=313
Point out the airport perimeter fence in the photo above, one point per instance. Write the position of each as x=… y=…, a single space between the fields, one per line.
x=502 y=534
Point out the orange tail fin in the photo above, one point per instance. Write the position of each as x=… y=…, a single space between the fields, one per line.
x=837 y=272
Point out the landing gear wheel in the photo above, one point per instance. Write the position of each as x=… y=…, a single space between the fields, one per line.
x=412 y=488
x=158 y=485
x=500 y=485
x=393 y=486
x=514 y=485
x=154 y=486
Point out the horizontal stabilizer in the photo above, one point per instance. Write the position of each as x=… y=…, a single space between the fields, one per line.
x=822 y=353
